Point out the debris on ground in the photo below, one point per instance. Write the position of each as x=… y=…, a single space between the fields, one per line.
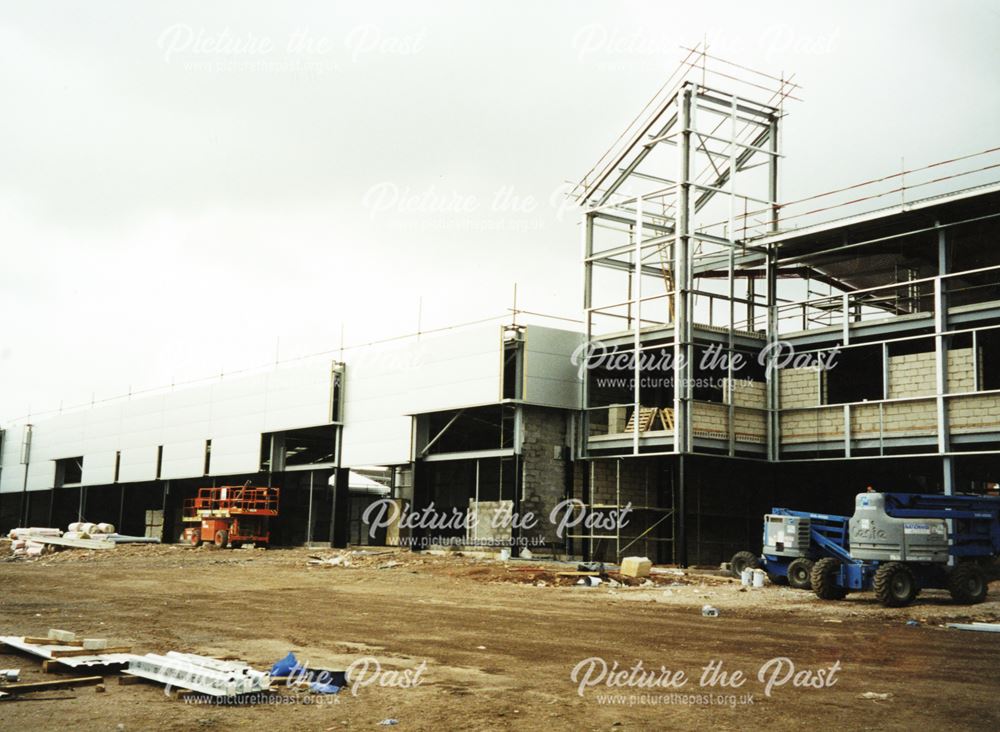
x=14 y=690
x=983 y=627
x=201 y=674
x=875 y=696
x=636 y=566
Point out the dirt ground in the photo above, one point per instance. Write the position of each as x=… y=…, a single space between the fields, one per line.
x=500 y=645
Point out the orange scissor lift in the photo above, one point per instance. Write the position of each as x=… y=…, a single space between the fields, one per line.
x=230 y=515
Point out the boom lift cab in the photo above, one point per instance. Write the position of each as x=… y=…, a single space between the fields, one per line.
x=877 y=536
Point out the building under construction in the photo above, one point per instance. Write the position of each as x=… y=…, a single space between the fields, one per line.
x=747 y=352
x=738 y=351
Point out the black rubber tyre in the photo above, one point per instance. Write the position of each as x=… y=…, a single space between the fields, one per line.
x=895 y=585
x=222 y=538
x=967 y=584
x=823 y=579
x=799 y=573
x=742 y=560
x=189 y=539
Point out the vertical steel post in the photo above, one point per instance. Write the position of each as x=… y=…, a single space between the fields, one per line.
x=941 y=362
x=637 y=329
x=309 y=513
x=682 y=346
x=588 y=279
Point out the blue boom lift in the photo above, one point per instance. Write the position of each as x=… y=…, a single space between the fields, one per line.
x=793 y=542
x=901 y=543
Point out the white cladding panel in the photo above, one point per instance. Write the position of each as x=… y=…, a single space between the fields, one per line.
x=11 y=472
x=137 y=463
x=12 y=478
x=98 y=468
x=142 y=424
x=376 y=383
x=235 y=454
x=551 y=378
x=298 y=396
x=455 y=370
x=384 y=386
x=183 y=459
x=41 y=476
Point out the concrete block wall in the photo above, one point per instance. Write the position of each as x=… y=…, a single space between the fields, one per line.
x=745 y=393
x=544 y=465
x=805 y=387
x=712 y=420
x=912 y=375
x=800 y=388
x=962 y=368
x=813 y=425
x=970 y=414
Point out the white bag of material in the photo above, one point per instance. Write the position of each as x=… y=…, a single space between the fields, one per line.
x=104 y=529
x=87 y=528
x=74 y=527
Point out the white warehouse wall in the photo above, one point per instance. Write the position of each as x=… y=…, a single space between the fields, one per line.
x=383 y=386
x=232 y=412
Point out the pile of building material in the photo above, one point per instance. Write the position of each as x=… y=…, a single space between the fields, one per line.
x=63 y=647
x=200 y=674
x=183 y=671
x=25 y=542
x=87 y=530
x=35 y=541
x=154 y=524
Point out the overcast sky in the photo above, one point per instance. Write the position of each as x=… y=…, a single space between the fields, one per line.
x=186 y=189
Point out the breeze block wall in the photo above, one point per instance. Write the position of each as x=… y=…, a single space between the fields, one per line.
x=545 y=461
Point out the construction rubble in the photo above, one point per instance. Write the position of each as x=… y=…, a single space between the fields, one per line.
x=180 y=673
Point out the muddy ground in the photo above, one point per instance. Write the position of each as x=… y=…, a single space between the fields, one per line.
x=500 y=644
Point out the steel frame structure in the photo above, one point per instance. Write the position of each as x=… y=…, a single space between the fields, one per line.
x=673 y=208
x=675 y=194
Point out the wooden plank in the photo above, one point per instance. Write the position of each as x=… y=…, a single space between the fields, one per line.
x=578 y=574
x=39 y=641
x=88 y=652
x=56 y=684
